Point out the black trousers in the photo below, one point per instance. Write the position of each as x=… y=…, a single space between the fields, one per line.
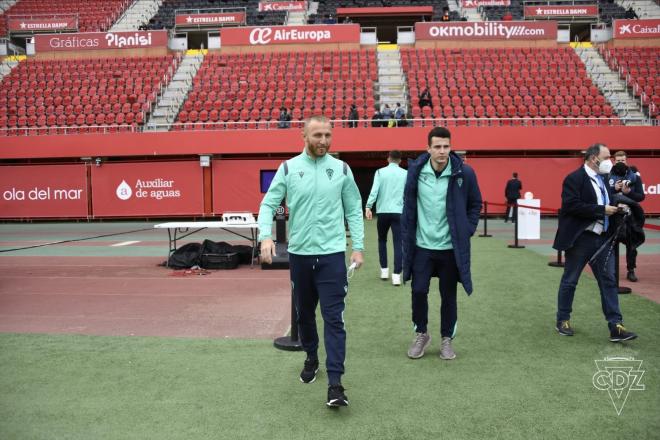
x=384 y=223
x=427 y=264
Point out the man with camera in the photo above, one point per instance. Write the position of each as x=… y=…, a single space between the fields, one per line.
x=627 y=181
x=584 y=234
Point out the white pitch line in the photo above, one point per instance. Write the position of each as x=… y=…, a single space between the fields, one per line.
x=124 y=243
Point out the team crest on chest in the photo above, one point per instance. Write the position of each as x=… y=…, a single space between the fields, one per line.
x=459 y=181
x=301 y=174
x=329 y=172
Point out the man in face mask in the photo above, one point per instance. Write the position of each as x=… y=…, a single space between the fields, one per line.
x=627 y=181
x=584 y=226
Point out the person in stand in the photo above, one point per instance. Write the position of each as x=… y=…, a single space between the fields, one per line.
x=400 y=115
x=631 y=14
x=284 y=119
x=445 y=14
x=320 y=192
x=376 y=119
x=353 y=117
x=626 y=180
x=584 y=228
x=387 y=194
x=425 y=98
x=512 y=194
x=441 y=207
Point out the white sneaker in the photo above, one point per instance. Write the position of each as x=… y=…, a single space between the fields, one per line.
x=384 y=273
x=396 y=279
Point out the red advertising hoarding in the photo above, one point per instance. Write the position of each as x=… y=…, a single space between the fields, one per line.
x=147 y=188
x=100 y=41
x=561 y=11
x=272 y=35
x=37 y=24
x=211 y=19
x=636 y=28
x=282 y=6
x=34 y=191
x=486 y=30
x=543 y=178
x=476 y=3
x=236 y=184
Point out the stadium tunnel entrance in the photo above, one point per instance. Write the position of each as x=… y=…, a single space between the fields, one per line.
x=198 y=39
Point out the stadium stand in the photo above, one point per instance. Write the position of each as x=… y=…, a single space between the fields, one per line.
x=93 y=15
x=53 y=97
x=520 y=85
x=164 y=18
x=252 y=87
x=639 y=67
x=608 y=10
x=329 y=7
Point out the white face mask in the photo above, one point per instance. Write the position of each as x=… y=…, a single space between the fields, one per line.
x=605 y=167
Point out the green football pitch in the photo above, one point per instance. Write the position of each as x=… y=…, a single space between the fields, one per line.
x=514 y=377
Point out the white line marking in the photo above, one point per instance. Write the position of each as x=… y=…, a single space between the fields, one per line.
x=124 y=243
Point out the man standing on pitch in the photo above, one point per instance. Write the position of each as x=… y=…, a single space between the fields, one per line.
x=320 y=192
x=584 y=228
x=512 y=194
x=387 y=193
x=441 y=210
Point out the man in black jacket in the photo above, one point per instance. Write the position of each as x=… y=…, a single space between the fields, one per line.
x=627 y=181
x=512 y=194
x=583 y=229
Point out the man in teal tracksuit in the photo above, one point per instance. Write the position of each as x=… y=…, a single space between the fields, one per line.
x=320 y=192
x=387 y=192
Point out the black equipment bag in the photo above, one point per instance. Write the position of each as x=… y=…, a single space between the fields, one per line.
x=186 y=256
x=219 y=261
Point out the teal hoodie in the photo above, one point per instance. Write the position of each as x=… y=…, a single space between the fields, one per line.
x=387 y=189
x=319 y=194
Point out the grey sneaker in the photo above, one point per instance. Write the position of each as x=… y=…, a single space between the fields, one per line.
x=419 y=344
x=446 y=351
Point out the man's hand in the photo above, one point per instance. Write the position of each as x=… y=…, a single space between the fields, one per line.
x=626 y=189
x=368 y=214
x=618 y=185
x=609 y=210
x=267 y=250
x=356 y=257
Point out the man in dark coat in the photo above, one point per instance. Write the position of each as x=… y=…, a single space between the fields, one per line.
x=441 y=210
x=512 y=194
x=627 y=181
x=583 y=229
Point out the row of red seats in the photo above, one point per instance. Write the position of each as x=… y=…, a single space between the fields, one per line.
x=123 y=99
x=74 y=110
x=512 y=111
x=93 y=15
x=639 y=68
x=476 y=100
x=255 y=86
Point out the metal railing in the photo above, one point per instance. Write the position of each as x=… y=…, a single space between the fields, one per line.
x=337 y=123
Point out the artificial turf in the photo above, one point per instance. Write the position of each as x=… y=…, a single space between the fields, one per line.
x=514 y=377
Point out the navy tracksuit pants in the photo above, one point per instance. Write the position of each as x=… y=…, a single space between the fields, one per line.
x=384 y=223
x=314 y=279
x=427 y=264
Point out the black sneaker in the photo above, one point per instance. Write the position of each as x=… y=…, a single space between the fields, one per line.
x=564 y=328
x=631 y=276
x=308 y=374
x=619 y=333
x=336 y=396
